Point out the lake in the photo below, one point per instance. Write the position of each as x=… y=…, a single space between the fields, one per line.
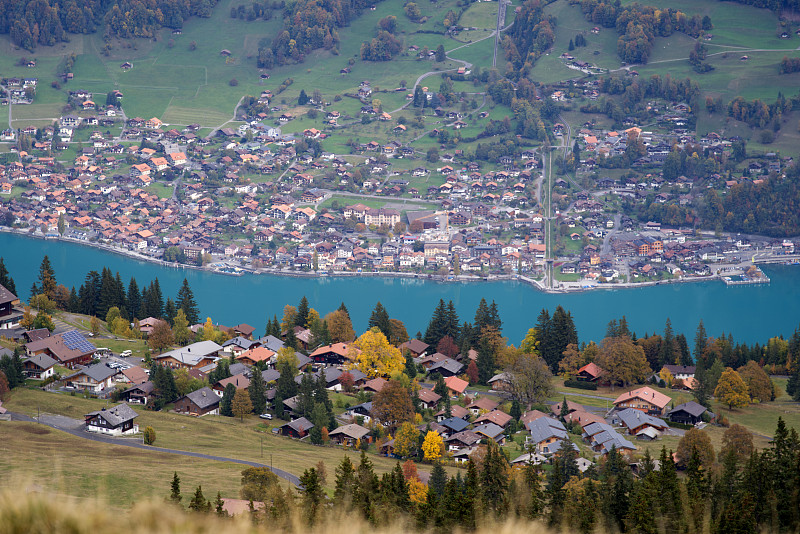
x=752 y=313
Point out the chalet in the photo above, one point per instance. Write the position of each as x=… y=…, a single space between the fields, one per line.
x=679 y=372
x=456 y=385
x=688 y=413
x=116 y=421
x=254 y=355
x=446 y=367
x=602 y=437
x=39 y=367
x=198 y=403
x=335 y=354
x=374 y=385
x=139 y=393
x=348 y=435
x=462 y=440
x=639 y=423
x=298 y=428
x=68 y=348
x=496 y=417
x=482 y=405
x=546 y=435
x=454 y=425
x=456 y=410
x=363 y=410
x=9 y=317
x=589 y=373
x=428 y=399
x=94 y=378
x=645 y=399
x=415 y=347
x=193 y=356
x=491 y=431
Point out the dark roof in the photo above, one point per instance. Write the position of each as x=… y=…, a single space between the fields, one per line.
x=42 y=361
x=467 y=437
x=300 y=425
x=117 y=415
x=416 y=345
x=270 y=375
x=6 y=296
x=691 y=407
x=203 y=398
x=145 y=387
x=97 y=372
x=449 y=365
x=455 y=423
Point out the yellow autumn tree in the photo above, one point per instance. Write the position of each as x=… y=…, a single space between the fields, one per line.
x=417 y=491
x=377 y=357
x=732 y=390
x=405 y=440
x=432 y=445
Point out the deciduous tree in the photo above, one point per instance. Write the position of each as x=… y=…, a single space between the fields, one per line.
x=530 y=379
x=623 y=361
x=241 y=404
x=432 y=446
x=405 y=439
x=340 y=327
x=377 y=357
x=392 y=405
x=759 y=385
x=738 y=440
x=700 y=441
x=161 y=337
x=731 y=390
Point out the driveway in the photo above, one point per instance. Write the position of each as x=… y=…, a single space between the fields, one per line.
x=75 y=427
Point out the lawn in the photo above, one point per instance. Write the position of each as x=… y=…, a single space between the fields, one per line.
x=42 y=459
x=215 y=435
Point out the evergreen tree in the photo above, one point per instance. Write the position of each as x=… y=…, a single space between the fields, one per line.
x=73 y=305
x=494 y=479
x=89 y=293
x=700 y=341
x=410 y=367
x=175 y=491
x=313 y=494
x=343 y=308
x=226 y=404
x=485 y=363
x=438 y=479
x=107 y=298
x=668 y=349
x=380 y=318
x=187 y=303
x=437 y=325
x=669 y=490
x=258 y=392
x=345 y=482
x=154 y=300
x=199 y=502
x=170 y=310
x=301 y=318
x=366 y=488
x=47 y=278
x=555 y=493
x=134 y=300
x=219 y=506
x=5 y=278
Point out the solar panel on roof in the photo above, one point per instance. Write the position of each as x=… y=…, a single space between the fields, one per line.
x=75 y=341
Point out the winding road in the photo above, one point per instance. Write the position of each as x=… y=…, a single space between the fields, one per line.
x=74 y=427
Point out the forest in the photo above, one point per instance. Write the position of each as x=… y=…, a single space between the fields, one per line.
x=309 y=25
x=46 y=22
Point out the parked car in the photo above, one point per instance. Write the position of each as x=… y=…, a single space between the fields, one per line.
x=125 y=354
x=266 y=416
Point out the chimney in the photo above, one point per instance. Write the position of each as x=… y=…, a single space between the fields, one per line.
x=204 y=393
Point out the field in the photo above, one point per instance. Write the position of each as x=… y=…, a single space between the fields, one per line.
x=221 y=436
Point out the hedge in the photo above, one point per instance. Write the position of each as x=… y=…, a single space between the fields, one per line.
x=580 y=384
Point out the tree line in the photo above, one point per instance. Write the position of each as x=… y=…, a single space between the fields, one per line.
x=47 y=22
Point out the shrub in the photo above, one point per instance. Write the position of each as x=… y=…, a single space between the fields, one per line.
x=149 y=435
x=234 y=82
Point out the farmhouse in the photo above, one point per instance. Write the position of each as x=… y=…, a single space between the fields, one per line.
x=645 y=399
x=116 y=421
x=198 y=403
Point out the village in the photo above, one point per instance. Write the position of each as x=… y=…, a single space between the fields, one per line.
x=449 y=408
x=259 y=199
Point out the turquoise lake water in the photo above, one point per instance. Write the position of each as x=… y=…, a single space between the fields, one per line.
x=752 y=313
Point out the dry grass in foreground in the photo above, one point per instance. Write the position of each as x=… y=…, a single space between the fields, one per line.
x=43 y=513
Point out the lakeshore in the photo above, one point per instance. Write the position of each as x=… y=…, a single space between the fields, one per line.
x=560 y=288
x=753 y=313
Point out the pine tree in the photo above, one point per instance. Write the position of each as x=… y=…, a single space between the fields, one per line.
x=380 y=319
x=437 y=325
x=438 y=479
x=89 y=293
x=134 y=300
x=301 y=318
x=485 y=363
x=47 y=278
x=73 y=305
x=175 y=493
x=258 y=392
x=199 y=502
x=313 y=494
x=494 y=479
x=219 y=506
x=5 y=278
x=170 y=310
x=700 y=341
x=187 y=303
x=667 y=351
x=226 y=404
x=345 y=482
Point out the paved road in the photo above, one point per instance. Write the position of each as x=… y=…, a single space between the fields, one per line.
x=75 y=427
